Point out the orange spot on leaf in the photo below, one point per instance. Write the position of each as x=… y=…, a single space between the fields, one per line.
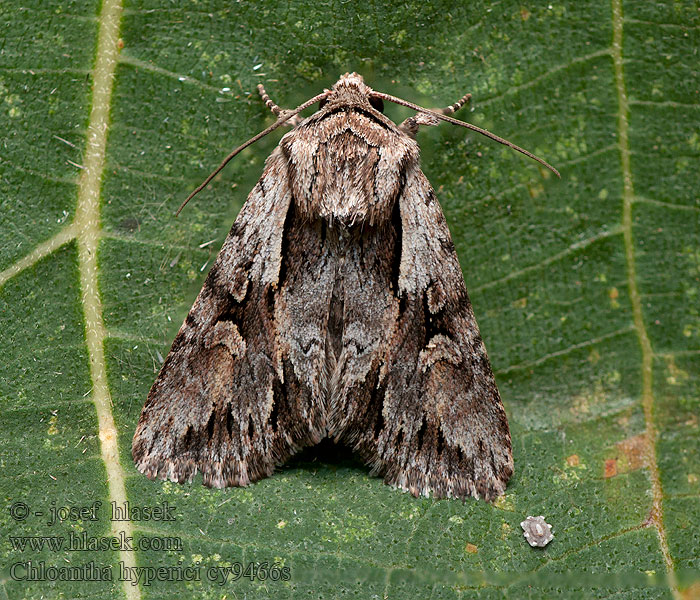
x=573 y=460
x=633 y=452
x=610 y=468
x=692 y=592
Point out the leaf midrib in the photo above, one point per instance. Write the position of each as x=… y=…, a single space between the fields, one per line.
x=87 y=226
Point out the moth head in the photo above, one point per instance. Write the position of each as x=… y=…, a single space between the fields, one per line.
x=351 y=90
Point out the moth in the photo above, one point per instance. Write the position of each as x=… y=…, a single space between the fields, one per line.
x=335 y=308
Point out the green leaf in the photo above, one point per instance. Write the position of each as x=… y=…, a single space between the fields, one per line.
x=587 y=291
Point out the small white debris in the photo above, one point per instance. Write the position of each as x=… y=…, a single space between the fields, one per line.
x=537 y=531
x=75 y=164
x=60 y=139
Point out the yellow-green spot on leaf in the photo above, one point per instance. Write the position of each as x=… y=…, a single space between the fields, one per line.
x=353 y=527
x=675 y=375
x=281 y=524
x=480 y=118
x=410 y=513
x=211 y=559
x=53 y=425
x=425 y=87
x=505 y=502
x=505 y=530
x=682 y=164
x=308 y=70
x=603 y=194
x=244 y=496
x=456 y=519
x=613 y=376
x=535 y=189
x=340 y=56
x=692 y=256
x=582 y=403
x=558 y=10
x=77 y=526
x=399 y=36
x=520 y=302
x=694 y=141
x=613 y=294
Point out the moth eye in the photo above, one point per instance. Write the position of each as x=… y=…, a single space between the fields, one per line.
x=322 y=102
x=377 y=103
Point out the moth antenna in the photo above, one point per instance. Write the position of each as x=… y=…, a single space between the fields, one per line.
x=268 y=101
x=283 y=118
x=277 y=111
x=484 y=132
x=456 y=106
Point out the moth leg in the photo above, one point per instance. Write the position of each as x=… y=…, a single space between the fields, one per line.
x=410 y=126
x=277 y=111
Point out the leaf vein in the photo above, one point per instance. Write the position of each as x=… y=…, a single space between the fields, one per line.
x=635 y=299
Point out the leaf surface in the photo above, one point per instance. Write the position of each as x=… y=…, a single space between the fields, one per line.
x=586 y=289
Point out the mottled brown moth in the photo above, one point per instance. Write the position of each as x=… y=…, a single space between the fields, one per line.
x=336 y=308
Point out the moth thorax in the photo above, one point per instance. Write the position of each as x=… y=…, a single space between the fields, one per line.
x=347 y=168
